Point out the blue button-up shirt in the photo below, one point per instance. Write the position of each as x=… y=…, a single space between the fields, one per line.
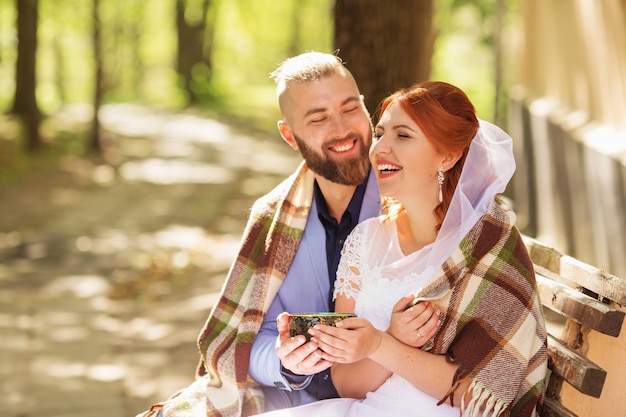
x=265 y=366
x=337 y=232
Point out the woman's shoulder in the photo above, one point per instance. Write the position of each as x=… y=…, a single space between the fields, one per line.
x=369 y=230
x=372 y=224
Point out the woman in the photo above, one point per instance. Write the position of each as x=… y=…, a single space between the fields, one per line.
x=445 y=238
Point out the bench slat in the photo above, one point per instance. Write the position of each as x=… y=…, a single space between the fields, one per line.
x=584 y=297
x=581 y=274
x=580 y=372
x=579 y=307
x=552 y=408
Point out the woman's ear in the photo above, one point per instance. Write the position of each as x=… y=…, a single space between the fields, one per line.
x=287 y=134
x=450 y=160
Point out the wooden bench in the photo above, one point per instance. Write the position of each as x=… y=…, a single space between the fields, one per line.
x=578 y=298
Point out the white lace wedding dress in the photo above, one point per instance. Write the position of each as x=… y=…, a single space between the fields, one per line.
x=376 y=273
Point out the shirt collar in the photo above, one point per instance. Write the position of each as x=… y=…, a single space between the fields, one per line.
x=353 y=210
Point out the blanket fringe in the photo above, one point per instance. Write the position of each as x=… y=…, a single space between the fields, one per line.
x=493 y=406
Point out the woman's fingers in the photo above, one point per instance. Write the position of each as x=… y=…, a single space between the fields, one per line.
x=403 y=304
x=426 y=331
x=345 y=345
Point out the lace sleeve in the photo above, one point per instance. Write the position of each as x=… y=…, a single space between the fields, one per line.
x=348 y=281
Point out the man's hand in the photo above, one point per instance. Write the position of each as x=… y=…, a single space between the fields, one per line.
x=295 y=355
x=414 y=322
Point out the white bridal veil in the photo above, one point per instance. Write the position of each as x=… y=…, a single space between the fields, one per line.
x=488 y=169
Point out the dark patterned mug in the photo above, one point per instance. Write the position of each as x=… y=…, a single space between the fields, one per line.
x=301 y=323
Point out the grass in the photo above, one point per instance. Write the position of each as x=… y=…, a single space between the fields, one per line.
x=16 y=162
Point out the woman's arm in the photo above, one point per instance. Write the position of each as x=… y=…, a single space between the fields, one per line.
x=354 y=342
x=412 y=325
x=430 y=373
x=356 y=379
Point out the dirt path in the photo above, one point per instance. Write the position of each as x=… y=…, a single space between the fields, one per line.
x=107 y=271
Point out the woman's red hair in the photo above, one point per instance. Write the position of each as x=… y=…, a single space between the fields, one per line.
x=448 y=119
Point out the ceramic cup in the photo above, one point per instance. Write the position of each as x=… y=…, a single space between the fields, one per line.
x=301 y=323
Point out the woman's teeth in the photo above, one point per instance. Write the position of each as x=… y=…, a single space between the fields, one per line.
x=388 y=168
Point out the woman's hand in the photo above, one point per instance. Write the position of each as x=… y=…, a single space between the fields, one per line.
x=414 y=323
x=350 y=340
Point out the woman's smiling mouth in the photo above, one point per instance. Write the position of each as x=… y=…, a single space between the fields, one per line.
x=387 y=168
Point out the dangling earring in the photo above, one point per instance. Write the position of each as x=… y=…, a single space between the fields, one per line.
x=440 y=181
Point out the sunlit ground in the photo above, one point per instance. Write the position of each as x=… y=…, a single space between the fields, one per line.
x=107 y=276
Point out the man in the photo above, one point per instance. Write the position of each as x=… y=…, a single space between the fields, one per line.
x=289 y=252
x=325 y=119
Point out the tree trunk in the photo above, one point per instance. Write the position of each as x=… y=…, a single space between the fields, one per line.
x=194 y=46
x=385 y=44
x=95 y=141
x=294 y=42
x=25 y=102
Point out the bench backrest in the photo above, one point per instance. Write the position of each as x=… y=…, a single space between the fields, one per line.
x=578 y=299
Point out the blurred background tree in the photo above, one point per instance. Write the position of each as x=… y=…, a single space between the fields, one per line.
x=25 y=100
x=386 y=45
x=61 y=60
x=215 y=56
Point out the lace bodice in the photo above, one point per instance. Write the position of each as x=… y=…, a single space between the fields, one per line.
x=374 y=271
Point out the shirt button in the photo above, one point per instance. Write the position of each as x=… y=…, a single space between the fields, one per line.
x=325 y=377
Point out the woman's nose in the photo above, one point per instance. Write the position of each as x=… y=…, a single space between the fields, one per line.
x=380 y=145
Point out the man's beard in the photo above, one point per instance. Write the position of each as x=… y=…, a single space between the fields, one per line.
x=347 y=172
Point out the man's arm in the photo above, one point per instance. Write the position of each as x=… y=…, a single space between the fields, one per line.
x=265 y=365
x=279 y=360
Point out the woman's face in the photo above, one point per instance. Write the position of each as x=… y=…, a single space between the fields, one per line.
x=404 y=161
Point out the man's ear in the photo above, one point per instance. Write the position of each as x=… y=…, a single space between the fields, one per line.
x=287 y=134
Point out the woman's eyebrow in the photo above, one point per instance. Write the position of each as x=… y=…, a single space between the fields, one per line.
x=404 y=126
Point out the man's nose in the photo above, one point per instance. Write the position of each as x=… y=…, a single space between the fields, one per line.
x=339 y=126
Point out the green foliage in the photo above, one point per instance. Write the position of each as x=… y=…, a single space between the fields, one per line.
x=8 y=52
x=461 y=55
x=465 y=48
x=64 y=55
x=251 y=38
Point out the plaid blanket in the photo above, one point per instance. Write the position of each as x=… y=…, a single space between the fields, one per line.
x=490 y=268
x=493 y=325
x=269 y=244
